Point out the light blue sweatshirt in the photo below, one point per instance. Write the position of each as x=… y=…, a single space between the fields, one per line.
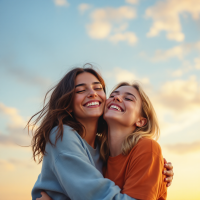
x=73 y=170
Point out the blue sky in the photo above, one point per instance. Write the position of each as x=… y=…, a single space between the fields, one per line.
x=154 y=42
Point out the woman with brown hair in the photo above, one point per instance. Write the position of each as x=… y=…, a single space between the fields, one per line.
x=66 y=140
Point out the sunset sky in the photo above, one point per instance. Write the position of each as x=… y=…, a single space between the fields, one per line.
x=156 y=42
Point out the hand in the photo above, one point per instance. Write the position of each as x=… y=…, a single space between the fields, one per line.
x=169 y=172
x=44 y=196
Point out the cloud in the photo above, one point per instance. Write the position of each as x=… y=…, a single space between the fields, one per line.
x=185 y=68
x=122 y=75
x=131 y=1
x=23 y=75
x=197 y=63
x=99 y=30
x=84 y=7
x=13 y=114
x=177 y=104
x=183 y=148
x=178 y=51
x=7 y=166
x=180 y=95
x=128 y=36
x=166 y=17
x=11 y=164
x=112 y=23
x=61 y=2
x=16 y=134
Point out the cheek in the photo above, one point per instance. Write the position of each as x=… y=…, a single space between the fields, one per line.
x=103 y=97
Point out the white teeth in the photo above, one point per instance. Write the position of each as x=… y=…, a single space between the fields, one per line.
x=115 y=107
x=92 y=104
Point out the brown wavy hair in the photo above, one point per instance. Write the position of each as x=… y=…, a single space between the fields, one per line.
x=57 y=111
x=149 y=130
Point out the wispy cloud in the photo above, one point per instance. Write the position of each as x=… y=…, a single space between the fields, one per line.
x=13 y=114
x=112 y=23
x=178 y=51
x=15 y=133
x=197 y=63
x=121 y=75
x=5 y=165
x=132 y=1
x=12 y=164
x=166 y=17
x=83 y=7
x=180 y=95
x=21 y=74
x=61 y=3
x=183 y=148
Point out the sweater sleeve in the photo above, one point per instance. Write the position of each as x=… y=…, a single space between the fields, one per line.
x=144 y=179
x=77 y=176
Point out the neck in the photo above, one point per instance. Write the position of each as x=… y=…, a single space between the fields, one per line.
x=116 y=136
x=90 y=130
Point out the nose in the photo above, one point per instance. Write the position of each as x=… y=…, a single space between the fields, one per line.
x=117 y=98
x=92 y=93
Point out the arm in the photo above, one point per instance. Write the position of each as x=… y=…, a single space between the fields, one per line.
x=77 y=176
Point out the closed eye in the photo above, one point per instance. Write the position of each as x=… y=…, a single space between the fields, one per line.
x=80 y=91
x=128 y=99
x=98 y=88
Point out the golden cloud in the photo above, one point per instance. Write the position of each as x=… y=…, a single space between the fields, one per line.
x=183 y=148
x=61 y=2
x=111 y=23
x=5 y=165
x=131 y=1
x=166 y=17
x=12 y=113
x=178 y=51
x=16 y=134
x=84 y=7
x=197 y=63
x=127 y=36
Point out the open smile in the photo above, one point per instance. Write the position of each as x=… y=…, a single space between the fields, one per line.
x=92 y=104
x=115 y=107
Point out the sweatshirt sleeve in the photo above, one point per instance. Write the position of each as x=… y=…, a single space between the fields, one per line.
x=76 y=174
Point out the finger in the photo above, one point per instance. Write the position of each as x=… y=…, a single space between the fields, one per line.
x=168 y=179
x=165 y=161
x=168 y=172
x=169 y=166
x=168 y=184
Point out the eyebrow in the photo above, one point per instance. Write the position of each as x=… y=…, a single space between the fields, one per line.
x=128 y=93
x=83 y=84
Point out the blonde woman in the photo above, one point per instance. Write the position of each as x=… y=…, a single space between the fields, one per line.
x=134 y=158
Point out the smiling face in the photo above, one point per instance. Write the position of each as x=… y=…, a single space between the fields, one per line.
x=124 y=107
x=89 y=98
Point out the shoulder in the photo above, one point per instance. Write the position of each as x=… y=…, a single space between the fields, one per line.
x=146 y=145
x=70 y=141
x=68 y=134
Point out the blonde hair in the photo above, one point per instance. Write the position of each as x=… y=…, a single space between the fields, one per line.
x=149 y=130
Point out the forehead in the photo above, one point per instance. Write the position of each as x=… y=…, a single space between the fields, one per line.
x=86 y=78
x=128 y=89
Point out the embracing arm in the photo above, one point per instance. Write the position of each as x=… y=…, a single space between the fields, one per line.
x=77 y=176
x=168 y=172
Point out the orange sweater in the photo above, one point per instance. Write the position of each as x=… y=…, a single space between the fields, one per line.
x=139 y=174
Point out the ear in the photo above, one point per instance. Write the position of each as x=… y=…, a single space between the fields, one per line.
x=141 y=122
